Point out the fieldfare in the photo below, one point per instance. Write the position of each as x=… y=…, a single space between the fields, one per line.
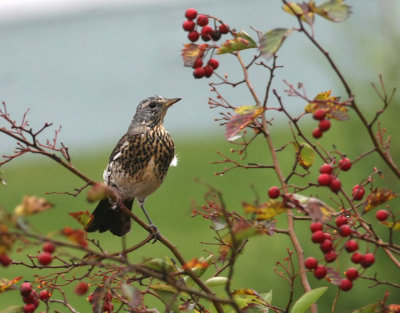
x=137 y=166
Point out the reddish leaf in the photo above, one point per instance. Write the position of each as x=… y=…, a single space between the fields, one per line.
x=191 y=52
x=77 y=236
x=246 y=115
x=83 y=217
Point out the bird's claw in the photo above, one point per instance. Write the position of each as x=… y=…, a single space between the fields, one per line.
x=155 y=233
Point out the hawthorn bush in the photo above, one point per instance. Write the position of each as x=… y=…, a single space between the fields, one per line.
x=344 y=223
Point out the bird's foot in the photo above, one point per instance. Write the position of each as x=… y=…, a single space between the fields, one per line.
x=155 y=233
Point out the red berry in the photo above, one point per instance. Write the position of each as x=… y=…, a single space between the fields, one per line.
x=330 y=256
x=320 y=272
x=351 y=245
x=205 y=38
x=315 y=226
x=326 y=169
x=191 y=14
x=49 y=247
x=319 y=114
x=188 y=25
x=202 y=20
x=31 y=298
x=90 y=299
x=29 y=308
x=310 y=263
x=44 y=295
x=274 y=192
x=81 y=288
x=108 y=307
x=193 y=36
x=358 y=192
x=324 y=125
x=345 y=164
x=25 y=289
x=324 y=179
x=199 y=72
x=213 y=63
x=208 y=70
x=224 y=28
x=197 y=63
x=5 y=260
x=367 y=260
x=206 y=31
x=318 y=236
x=216 y=35
x=351 y=273
x=335 y=185
x=382 y=215
x=346 y=284
x=328 y=236
x=45 y=258
x=341 y=220
x=357 y=257
x=317 y=133
x=345 y=230
x=326 y=246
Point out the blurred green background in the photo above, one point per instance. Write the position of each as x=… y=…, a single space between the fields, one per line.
x=87 y=70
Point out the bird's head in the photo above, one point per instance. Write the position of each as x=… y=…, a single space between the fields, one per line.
x=151 y=111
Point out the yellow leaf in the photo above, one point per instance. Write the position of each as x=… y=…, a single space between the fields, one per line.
x=305 y=154
x=265 y=211
x=302 y=9
x=98 y=192
x=31 y=205
x=83 y=217
x=395 y=226
x=377 y=197
x=333 y=107
x=6 y=284
x=315 y=208
x=191 y=52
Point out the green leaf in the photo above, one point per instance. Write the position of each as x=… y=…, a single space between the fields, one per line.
x=370 y=308
x=307 y=299
x=241 y=41
x=272 y=40
x=267 y=296
x=132 y=295
x=305 y=154
x=13 y=309
x=158 y=264
x=168 y=295
x=333 y=10
x=216 y=281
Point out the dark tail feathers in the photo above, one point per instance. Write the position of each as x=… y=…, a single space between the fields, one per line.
x=105 y=218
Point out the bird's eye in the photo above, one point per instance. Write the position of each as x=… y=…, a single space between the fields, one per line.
x=152 y=105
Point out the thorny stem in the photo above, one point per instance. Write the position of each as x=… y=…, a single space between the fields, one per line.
x=278 y=171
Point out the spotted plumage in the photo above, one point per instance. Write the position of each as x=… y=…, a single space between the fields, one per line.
x=137 y=165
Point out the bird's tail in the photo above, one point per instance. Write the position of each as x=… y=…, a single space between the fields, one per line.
x=107 y=218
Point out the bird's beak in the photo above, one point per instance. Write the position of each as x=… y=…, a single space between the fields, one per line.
x=170 y=102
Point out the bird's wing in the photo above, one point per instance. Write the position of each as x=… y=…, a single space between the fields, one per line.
x=132 y=153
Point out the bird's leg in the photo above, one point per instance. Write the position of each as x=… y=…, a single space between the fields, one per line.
x=155 y=232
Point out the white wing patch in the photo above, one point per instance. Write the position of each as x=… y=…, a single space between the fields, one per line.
x=174 y=161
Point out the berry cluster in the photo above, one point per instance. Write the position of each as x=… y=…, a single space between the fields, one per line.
x=107 y=304
x=30 y=297
x=326 y=242
x=327 y=176
x=192 y=24
x=46 y=257
x=324 y=123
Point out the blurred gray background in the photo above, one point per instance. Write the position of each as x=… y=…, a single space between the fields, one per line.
x=87 y=64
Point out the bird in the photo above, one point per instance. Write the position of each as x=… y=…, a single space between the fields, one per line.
x=137 y=166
